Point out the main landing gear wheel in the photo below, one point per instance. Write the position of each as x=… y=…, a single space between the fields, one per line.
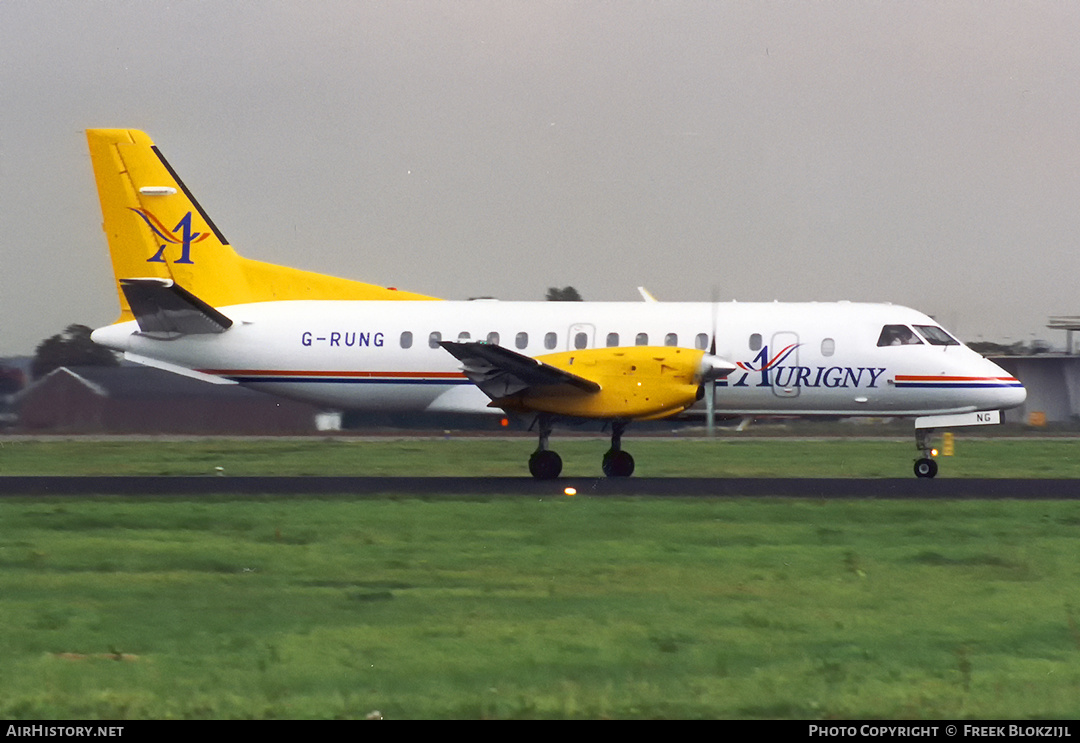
x=925 y=467
x=618 y=464
x=545 y=465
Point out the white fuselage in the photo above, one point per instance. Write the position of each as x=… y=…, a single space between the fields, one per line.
x=793 y=358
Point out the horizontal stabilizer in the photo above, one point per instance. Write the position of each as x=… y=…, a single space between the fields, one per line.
x=500 y=372
x=175 y=369
x=164 y=308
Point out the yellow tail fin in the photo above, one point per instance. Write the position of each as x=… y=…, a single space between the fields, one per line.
x=156 y=229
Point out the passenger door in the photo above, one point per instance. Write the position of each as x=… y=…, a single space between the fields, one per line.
x=784 y=375
x=580 y=335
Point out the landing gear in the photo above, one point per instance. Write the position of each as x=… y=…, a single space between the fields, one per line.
x=545 y=464
x=616 y=462
x=925 y=466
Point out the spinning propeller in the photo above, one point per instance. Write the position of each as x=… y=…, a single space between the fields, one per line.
x=712 y=367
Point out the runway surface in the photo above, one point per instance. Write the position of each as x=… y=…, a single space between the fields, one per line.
x=942 y=488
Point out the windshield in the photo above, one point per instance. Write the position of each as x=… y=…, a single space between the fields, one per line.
x=935 y=336
x=898 y=335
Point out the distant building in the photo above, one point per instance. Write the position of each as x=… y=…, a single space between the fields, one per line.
x=143 y=400
x=1053 y=388
x=13 y=376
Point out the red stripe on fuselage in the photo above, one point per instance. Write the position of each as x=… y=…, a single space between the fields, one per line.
x=353 y=374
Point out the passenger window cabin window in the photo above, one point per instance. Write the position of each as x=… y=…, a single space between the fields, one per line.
x=828 y=347
x=463 y=336
x=612 y=340
x=898 y=335
x=493 y=338
x=935 y=336
x=406 y=339
x=701 y=341
x=641 y=339
x=755 y=342
x=521 y=340
x=671 y=339
x=550 y=340
x=581 y=340
x=433 y=339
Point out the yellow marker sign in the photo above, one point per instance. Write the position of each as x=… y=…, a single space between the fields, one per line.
x=947 y=444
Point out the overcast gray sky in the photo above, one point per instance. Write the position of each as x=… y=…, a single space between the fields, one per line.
x=922 y=153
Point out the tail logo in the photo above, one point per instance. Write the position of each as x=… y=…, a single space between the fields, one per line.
x=180 y=235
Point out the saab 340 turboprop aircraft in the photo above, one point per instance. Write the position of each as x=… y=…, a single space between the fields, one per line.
x=191 y=305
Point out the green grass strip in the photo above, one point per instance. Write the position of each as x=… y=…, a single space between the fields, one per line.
x=461 y=456
x=538 y=608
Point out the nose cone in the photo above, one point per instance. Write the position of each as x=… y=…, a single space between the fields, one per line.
x=1008 y=392
x=1011 y=397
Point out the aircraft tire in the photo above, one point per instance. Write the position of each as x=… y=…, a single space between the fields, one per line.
x=925 y=467
x=618 y=464
x=545 y=465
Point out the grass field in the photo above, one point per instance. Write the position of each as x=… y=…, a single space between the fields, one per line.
x=656 y=457
x=519 y=607
x=570 y=607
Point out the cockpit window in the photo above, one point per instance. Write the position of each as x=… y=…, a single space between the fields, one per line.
x=935 y=336
x=898 y=335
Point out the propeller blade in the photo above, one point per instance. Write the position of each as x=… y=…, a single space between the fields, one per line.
x=710 y=406
x=710 y=385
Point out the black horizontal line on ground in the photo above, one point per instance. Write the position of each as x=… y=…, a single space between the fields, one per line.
x=823 y=488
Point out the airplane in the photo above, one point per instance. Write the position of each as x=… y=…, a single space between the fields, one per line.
x=190 y=304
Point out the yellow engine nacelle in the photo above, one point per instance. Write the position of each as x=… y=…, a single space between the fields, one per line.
x=639 y=383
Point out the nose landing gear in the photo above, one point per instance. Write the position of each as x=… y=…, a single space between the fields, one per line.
x=925 y=466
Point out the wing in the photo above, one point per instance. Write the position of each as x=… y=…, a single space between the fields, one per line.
x=501 y=373
x=624 y=383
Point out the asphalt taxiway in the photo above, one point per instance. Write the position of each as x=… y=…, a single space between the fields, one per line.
x=819 y=488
